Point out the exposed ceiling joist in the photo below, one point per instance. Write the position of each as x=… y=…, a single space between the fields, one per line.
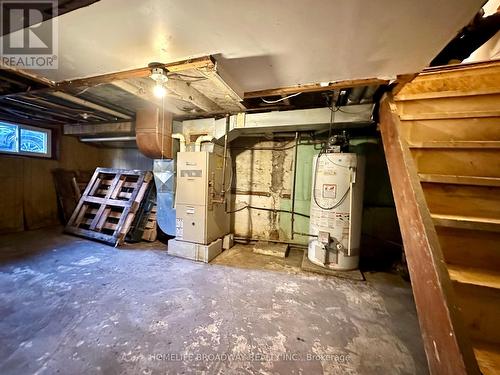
x=122 y=128
x=316 y=87
x=193 y=96
x=91 y=105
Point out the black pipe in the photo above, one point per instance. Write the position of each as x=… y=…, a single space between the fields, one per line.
x=297 y=138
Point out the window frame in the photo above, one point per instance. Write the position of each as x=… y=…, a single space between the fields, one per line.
x=48 y=132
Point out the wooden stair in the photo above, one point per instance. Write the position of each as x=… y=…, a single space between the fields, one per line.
x=448 y=122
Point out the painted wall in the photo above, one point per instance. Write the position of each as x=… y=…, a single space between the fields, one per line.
x=28 y=198
x=262 y=44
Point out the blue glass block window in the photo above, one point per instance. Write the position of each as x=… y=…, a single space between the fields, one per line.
x=8 y=137
x=33 y=141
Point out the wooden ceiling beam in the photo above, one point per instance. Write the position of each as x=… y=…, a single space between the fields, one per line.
x=315 y=87
x=205 y=62
x=201 y=62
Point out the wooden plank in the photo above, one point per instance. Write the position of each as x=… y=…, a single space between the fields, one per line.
x=445 y=340
x=460 y=180
x=469 y=247
x=81 y=214
x=458 y=67
x=97 y=218
x=401 y=81
x=454 y=82
x=115 y=187
x=450 y=115
x=462 y=200
x=205 y=62
x=456 y=144
x=114 y=202
x=75 y=214
x=102 y=220
x=112 y=214
x=465 y=129
x=95 y=186
x=110 y=239
x=475 y=276
x=126 y=184
x=459 y=162
x=468 y=106
x=480 y=307
x=461 y=222
x=315 y=87
x=488 y=356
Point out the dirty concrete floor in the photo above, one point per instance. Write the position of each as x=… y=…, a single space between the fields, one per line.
x=72 y=306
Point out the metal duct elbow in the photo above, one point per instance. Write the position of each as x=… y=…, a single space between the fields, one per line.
x=153 y=132
x=200 y=140
x=182 y=141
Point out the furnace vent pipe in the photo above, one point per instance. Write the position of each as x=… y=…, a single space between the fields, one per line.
x=182 y=141
x=200 y=140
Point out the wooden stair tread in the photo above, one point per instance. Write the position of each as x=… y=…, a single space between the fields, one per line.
x=436 y=116
x=455 y=144
x=488 y=357
x=474 y=276
x=445 y=94
x=466 y=222
x=459 y=180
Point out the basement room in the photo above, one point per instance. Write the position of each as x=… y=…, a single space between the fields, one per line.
x=249 y=187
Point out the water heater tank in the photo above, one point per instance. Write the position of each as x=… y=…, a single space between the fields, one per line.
x=336 y=210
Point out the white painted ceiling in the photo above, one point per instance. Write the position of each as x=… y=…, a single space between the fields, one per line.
x=261 y=43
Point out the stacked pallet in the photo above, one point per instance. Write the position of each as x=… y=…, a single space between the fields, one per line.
x=150 y=232
x=109 y=204
x=144 y=226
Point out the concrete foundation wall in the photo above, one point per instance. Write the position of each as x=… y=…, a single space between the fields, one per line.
x=262 y=178
x=27 y=193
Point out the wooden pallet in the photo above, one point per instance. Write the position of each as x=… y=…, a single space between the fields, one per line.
x=108 y=205
x=142 y=224
x=150 y=232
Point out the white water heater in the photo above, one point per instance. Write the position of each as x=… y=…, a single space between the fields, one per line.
x=336 y=210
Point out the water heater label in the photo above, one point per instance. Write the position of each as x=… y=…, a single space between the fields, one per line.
x=329 y=191
x=179 y=228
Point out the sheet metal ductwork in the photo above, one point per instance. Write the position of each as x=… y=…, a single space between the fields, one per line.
x=153 y=131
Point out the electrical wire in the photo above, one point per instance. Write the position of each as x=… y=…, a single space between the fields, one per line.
x=280 y=99
x=264 y=148
x=266 y=209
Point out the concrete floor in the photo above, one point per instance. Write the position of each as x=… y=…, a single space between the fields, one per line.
x=72 y=306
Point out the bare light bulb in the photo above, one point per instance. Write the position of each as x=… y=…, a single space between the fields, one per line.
x=159 y=90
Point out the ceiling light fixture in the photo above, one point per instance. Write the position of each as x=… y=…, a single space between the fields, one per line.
x=160 y=77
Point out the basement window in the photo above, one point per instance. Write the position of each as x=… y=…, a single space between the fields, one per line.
x=25 y=140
